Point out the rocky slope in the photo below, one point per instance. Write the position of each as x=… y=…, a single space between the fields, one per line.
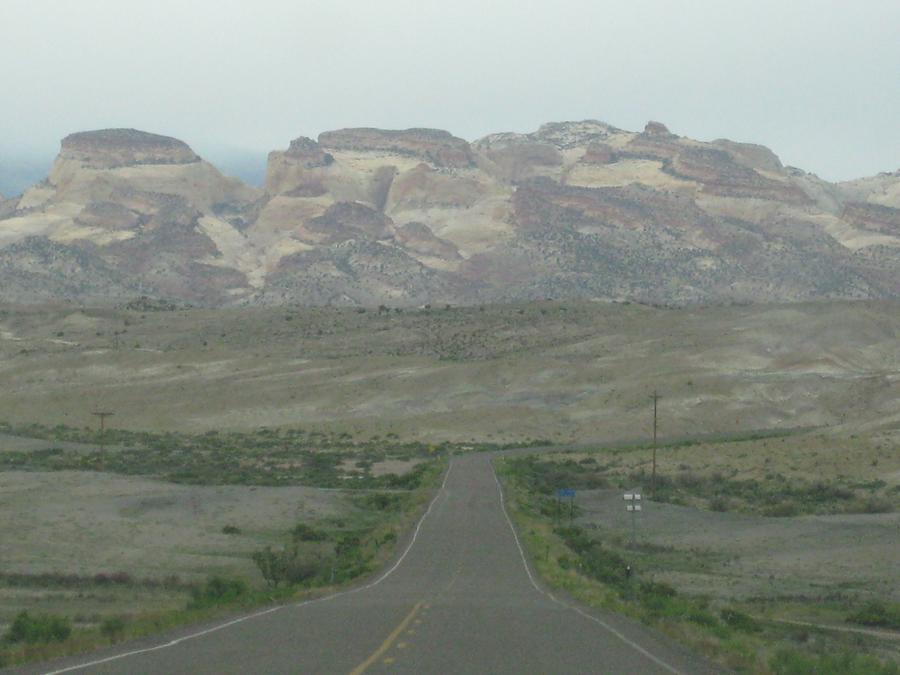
x=368 y=216
x=123 y=213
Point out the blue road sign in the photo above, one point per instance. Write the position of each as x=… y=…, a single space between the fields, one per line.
x=565 y=492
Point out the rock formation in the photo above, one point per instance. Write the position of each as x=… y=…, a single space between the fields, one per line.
x=430 y=145
x=142 y=208
x=368 y=216
x=112 y=148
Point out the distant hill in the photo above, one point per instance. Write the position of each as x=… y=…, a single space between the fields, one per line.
x=419 y=216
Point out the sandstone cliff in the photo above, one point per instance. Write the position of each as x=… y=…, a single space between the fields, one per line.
x=368 y=216
x=143 y=209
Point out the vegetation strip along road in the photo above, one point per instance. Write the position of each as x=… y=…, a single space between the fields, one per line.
x=485 y=615
x=588 y=556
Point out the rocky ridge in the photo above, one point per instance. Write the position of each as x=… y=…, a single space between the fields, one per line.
x=369 y=216
x=111 y=148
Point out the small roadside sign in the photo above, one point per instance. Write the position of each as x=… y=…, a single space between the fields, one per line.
x=633 y=506
x=565 y=493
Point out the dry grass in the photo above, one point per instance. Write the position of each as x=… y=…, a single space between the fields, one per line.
x=719 y=526
x=562 y=371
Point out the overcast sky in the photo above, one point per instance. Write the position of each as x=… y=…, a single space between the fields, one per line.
x=817 y=81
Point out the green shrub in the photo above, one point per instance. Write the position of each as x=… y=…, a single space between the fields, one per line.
x=593 y=559
x=739 y=620
x=290 y=565
x=703 y=618
x=109 y=578
x=659 y=598
x=37 y=628
x=381 y=501
x=720 y=504
x=822 y=492
x=304 y=532
x=876 y=505
x=878 y=614
x=782 y=510
x=407 y=481
x=231 y=529
x=657 y=588
x=113 y=627
x=792 y=662
x=218 y=591
x=548 y=507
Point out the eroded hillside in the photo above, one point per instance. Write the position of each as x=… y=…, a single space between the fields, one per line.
x=405 y=218
x=573 y=371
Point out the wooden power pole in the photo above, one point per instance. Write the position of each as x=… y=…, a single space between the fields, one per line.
x=655 y=398
x=102 y=414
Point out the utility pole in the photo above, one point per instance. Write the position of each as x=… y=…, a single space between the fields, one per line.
x=102 y=414
x=655 y=398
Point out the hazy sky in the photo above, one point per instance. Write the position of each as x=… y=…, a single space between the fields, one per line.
x=817 y=81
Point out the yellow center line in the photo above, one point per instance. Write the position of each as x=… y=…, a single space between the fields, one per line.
x=362 y=667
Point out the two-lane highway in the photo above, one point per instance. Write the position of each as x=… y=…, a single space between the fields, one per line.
x=461 y=599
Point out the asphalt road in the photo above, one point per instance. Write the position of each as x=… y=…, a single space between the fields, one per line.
x=460 y=599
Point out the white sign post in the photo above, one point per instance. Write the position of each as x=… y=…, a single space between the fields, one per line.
x=633 y=506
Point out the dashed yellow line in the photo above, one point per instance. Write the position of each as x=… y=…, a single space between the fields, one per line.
x=362 y=667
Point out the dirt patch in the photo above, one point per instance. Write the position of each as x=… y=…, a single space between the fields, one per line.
x=398 y=467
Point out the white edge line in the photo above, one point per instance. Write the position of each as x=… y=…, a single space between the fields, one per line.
x=574 y=608
x=270 y=610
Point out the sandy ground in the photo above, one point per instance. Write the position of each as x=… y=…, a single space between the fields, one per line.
x=10 y=443
x=90 y=523
x=849 y=457
x=85 y=522
x=561 y=371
